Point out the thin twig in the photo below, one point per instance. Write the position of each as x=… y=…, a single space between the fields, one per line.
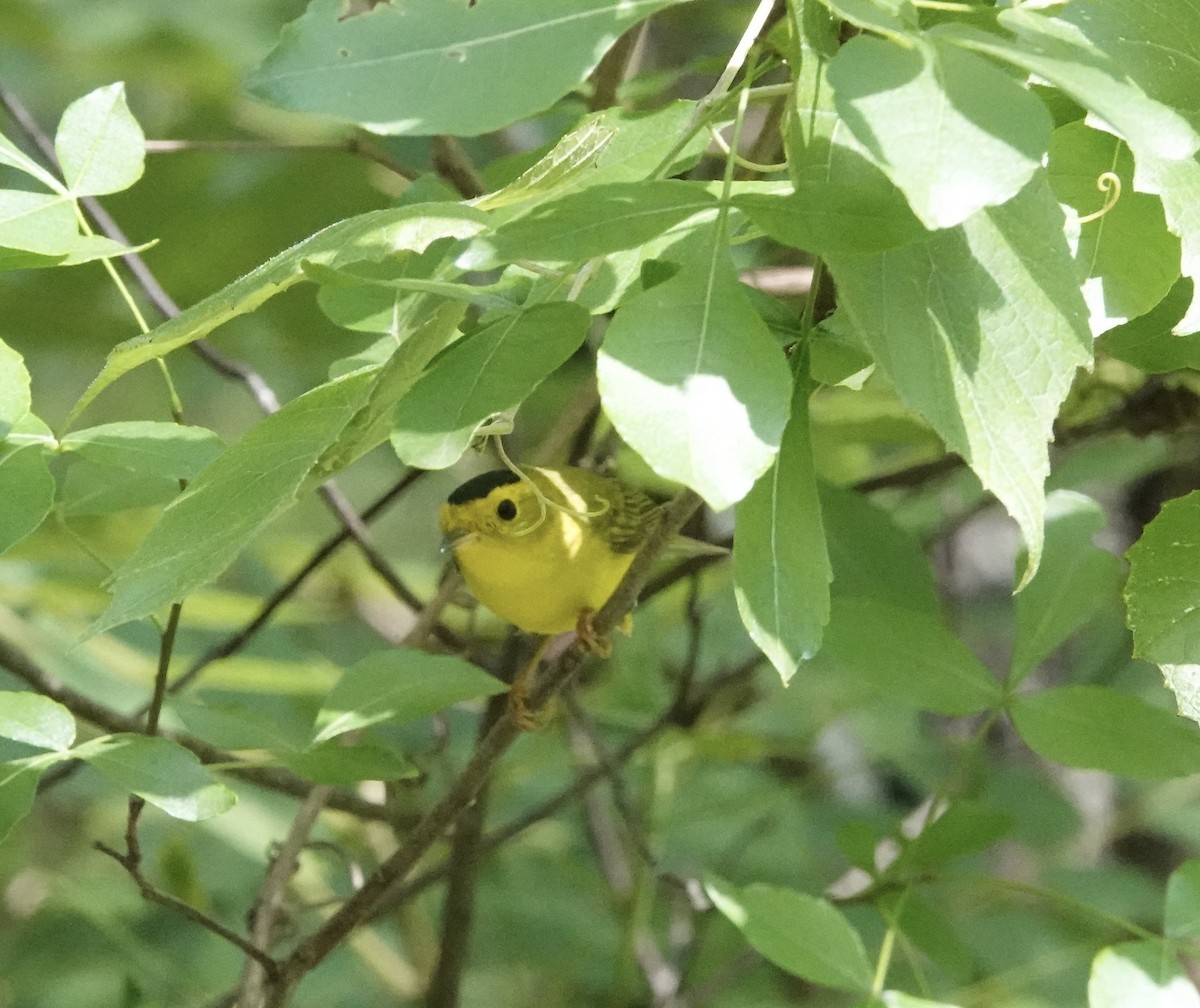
x=269 y=902
x=156 y=895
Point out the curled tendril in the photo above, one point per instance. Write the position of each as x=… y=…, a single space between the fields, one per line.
x=544 y=503
x=746 y=163
x=1108 y=183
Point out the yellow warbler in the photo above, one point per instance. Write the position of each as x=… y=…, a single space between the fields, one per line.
x=546 y=548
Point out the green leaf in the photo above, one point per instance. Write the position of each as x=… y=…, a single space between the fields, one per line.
x=374 y=423
x=1163 y=591
x=27 y=488
x=14 y=388
x=405 y=70
x=952 y=131
x=799 y=933
x=36 y=720
x=1181 y=917
x=592 y=222
x=164 y=773
x=1150 y=342
x=400 y=685
x=172 y=450
x=199 y=533
x=490 y=371
x=606 y=147
x=692 y=380
x=842 y=201
x=906 y=655
x=1146 y=974
x=780 y=564
x=1075 y=581
x=365 y=238
x=12 y=155
x=99 y=144
x=341 y=765
x=18 y=789
x=981 y=329
x=832 y=217
x=1060 y=53
x=1102 y=729
x=882 y=16
x=82 y=249
x=43 y=223
x=1177 y=183
x=872 y=557
x=966 y=827
x=1127 y=258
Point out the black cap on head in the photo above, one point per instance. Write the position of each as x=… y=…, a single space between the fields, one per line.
x=478 y=487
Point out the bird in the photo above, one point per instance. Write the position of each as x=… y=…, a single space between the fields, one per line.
x=544 y=548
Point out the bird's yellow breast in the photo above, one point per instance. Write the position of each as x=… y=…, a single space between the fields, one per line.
x=541 y=583
x=535 y=564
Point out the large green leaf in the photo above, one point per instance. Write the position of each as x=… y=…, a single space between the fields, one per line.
x=1099 y=728
x=366 y=238
x=692 y=379
x=161 y=771
x=400 y=685
x=799 y=933
x=951 y=130
x=99 y=143
x=424 y=67
x=902 y=654
x=1060 y=53
x=842 y=201
x=491 y=371
x=981 y=329
x=1127 y=258
x=780 y=564
x=1177 y=184
x=202 y=530
x=1075 y=581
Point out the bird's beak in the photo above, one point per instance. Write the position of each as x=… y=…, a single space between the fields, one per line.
x=452 y=540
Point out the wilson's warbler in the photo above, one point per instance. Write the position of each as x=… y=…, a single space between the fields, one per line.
x=544 y=549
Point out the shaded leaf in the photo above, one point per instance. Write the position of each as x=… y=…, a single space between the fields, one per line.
x=172 y=450
x=951 y=130
x=1075 y=581
x=1102 y=729
x=341 y=765
x=490 y=371
x=199 y=534
x=404 y=69
x=400 y=685
x=780 y=564
x=981 y=329
x=799 y=933
x=18 y=789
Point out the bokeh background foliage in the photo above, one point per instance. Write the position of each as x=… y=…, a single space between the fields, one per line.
x=928 y=337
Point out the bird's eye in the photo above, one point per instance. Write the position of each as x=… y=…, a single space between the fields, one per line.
x=506 y=509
